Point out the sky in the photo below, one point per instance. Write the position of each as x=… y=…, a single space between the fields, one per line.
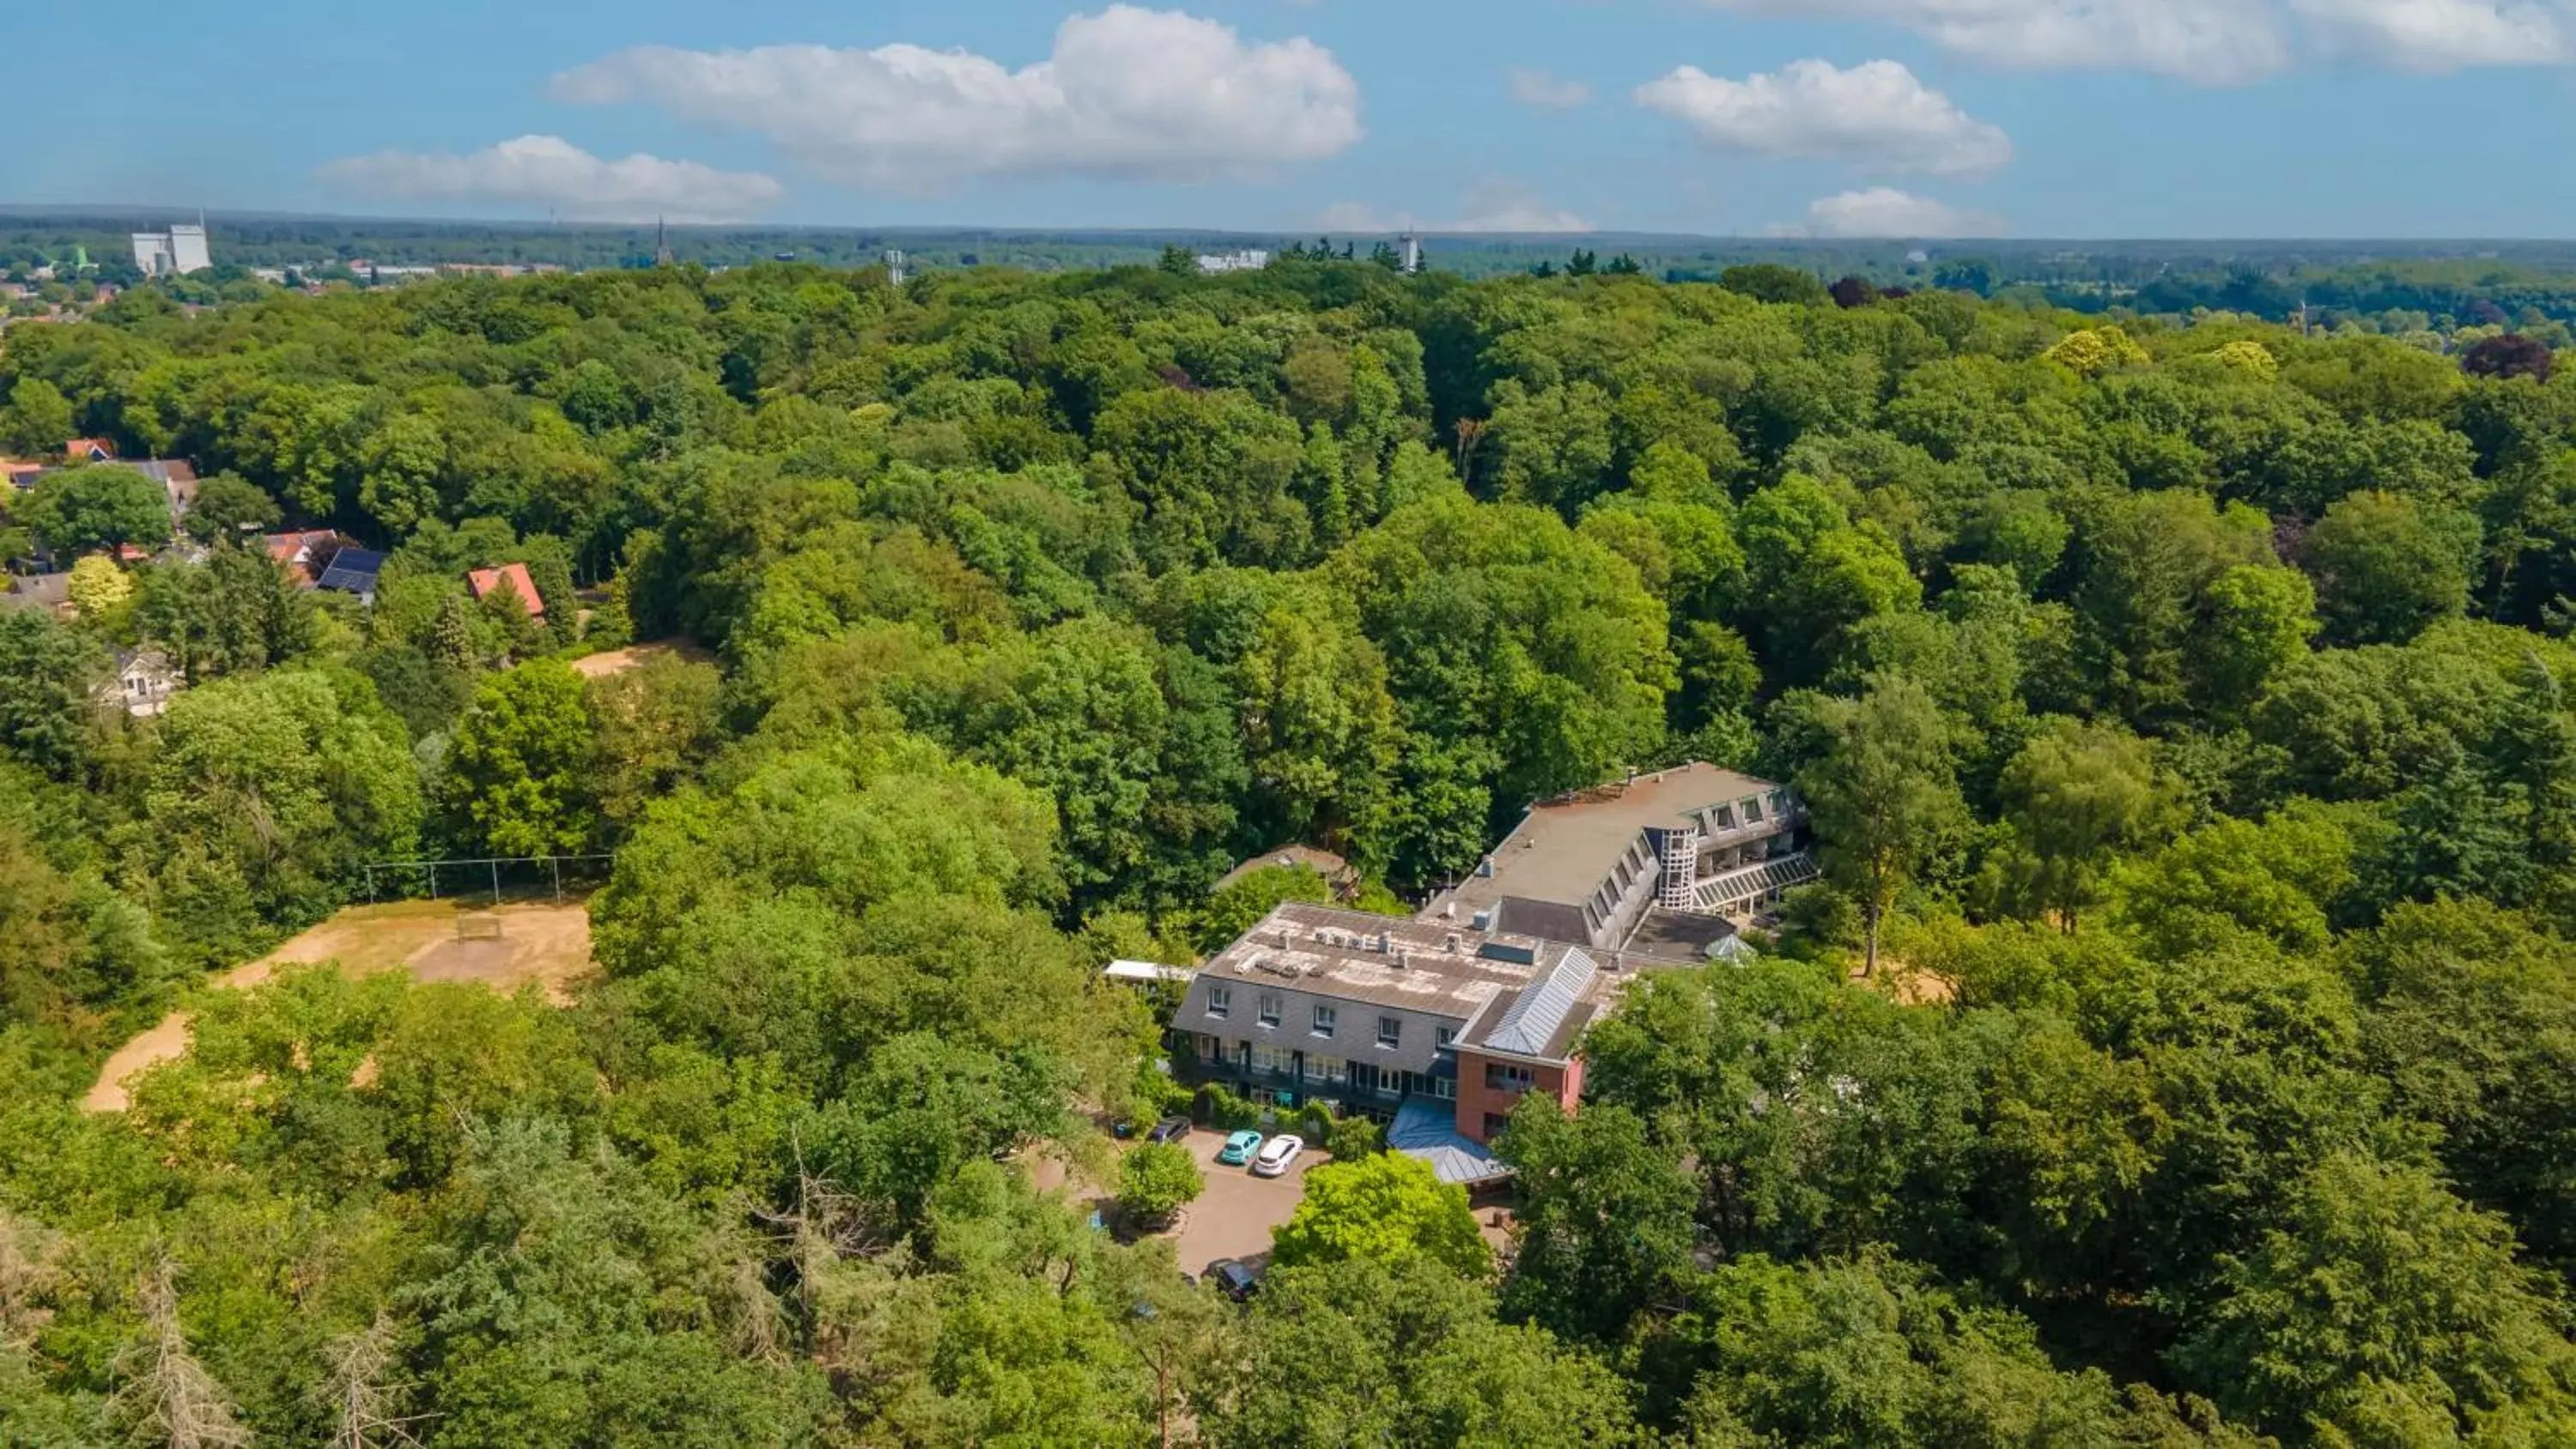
x=1895 y=118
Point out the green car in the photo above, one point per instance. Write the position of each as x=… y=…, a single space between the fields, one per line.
x=1239 y=1148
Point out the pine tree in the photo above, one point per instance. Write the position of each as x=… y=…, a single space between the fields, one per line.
x=2539 y=758
x=451 y=637
x=168 y=1397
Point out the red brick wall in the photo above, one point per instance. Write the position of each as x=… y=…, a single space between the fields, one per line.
x=1475 y=1099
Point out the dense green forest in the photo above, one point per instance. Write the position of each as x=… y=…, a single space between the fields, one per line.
x=2182 y=710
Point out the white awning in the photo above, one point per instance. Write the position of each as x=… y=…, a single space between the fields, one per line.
x=1146 y=971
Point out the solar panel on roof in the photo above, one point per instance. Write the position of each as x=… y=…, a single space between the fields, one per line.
x=353 y=569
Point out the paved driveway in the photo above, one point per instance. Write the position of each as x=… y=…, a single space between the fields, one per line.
x=1233 y=1218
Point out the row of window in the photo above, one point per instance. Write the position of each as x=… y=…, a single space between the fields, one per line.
x=1726 y=817
x=1332 y=1072
x=1509 y=1077
x=1327 y=1019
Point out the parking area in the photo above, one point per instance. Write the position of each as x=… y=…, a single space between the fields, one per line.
x=1233 y=1218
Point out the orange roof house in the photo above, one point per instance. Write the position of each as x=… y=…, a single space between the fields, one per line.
x=484 y=582
x=90 y=450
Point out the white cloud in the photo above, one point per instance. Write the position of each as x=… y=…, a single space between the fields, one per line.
x=2219 y=42
x=1883 y=211
x=1127 y=94
x=2215 y=41
x=2439 y=35
x=551 y=172
x=1492 y=206
x=1876 y=116
x=1546 y=92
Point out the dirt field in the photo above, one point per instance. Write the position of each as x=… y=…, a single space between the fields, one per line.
x=634 y=656
x=547 y=944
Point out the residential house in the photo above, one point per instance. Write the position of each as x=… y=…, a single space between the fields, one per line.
x=1336 y=871
x=178 y=480
x=353 y=571
x=307 y=551
x=176 y=477
x=50 y=593
x=1441 y=1024
x=514 y=577
x=145 y=681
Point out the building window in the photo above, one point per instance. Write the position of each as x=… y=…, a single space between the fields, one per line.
x=1724 y=816
x=1390 y=1031
x=1507 y=1077
x=1495 y=1122
x=1324 y=1016
x=1273 y=1059
x=1752 y=812
x=1444 y=1088
x=1268 y=1011
x=1332 y=1070
x=1220 y=1000
x=1446 y=1035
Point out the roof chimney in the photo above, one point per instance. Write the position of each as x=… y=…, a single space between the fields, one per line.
x=1454 y=944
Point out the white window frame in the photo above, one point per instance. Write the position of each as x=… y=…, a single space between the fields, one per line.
x=1327 y=1019
x=1220 y=1001
x=1390 y=1033
x=1266 y=1009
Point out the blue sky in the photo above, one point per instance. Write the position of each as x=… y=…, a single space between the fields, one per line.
x=2042 y=118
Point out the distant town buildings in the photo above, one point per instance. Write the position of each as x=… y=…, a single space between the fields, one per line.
x=174 y=253
x=1243 y=261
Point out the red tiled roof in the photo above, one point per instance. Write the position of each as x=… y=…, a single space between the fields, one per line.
x=87 y=447
x=484 y=581
x=290 y=548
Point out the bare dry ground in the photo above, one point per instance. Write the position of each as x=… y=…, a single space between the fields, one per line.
x=544 y=943
x=635 y=656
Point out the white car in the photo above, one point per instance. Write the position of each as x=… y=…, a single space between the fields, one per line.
x=1276 y=1154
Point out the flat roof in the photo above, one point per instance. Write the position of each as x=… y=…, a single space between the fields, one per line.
x=1535 y=996
x=1564 y=848
x=1328 y=952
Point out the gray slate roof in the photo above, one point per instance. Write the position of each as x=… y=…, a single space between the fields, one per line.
x=1529 y=1026
x=1429 y=1130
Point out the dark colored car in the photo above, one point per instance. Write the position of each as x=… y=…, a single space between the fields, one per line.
x=1170 y=1129
x=1233 y=1279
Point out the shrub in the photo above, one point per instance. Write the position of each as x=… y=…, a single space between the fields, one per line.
x=1228 y=1112
x=1158 y=1180
x=1351 y=1138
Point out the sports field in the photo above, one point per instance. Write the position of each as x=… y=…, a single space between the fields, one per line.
x=504 y=949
